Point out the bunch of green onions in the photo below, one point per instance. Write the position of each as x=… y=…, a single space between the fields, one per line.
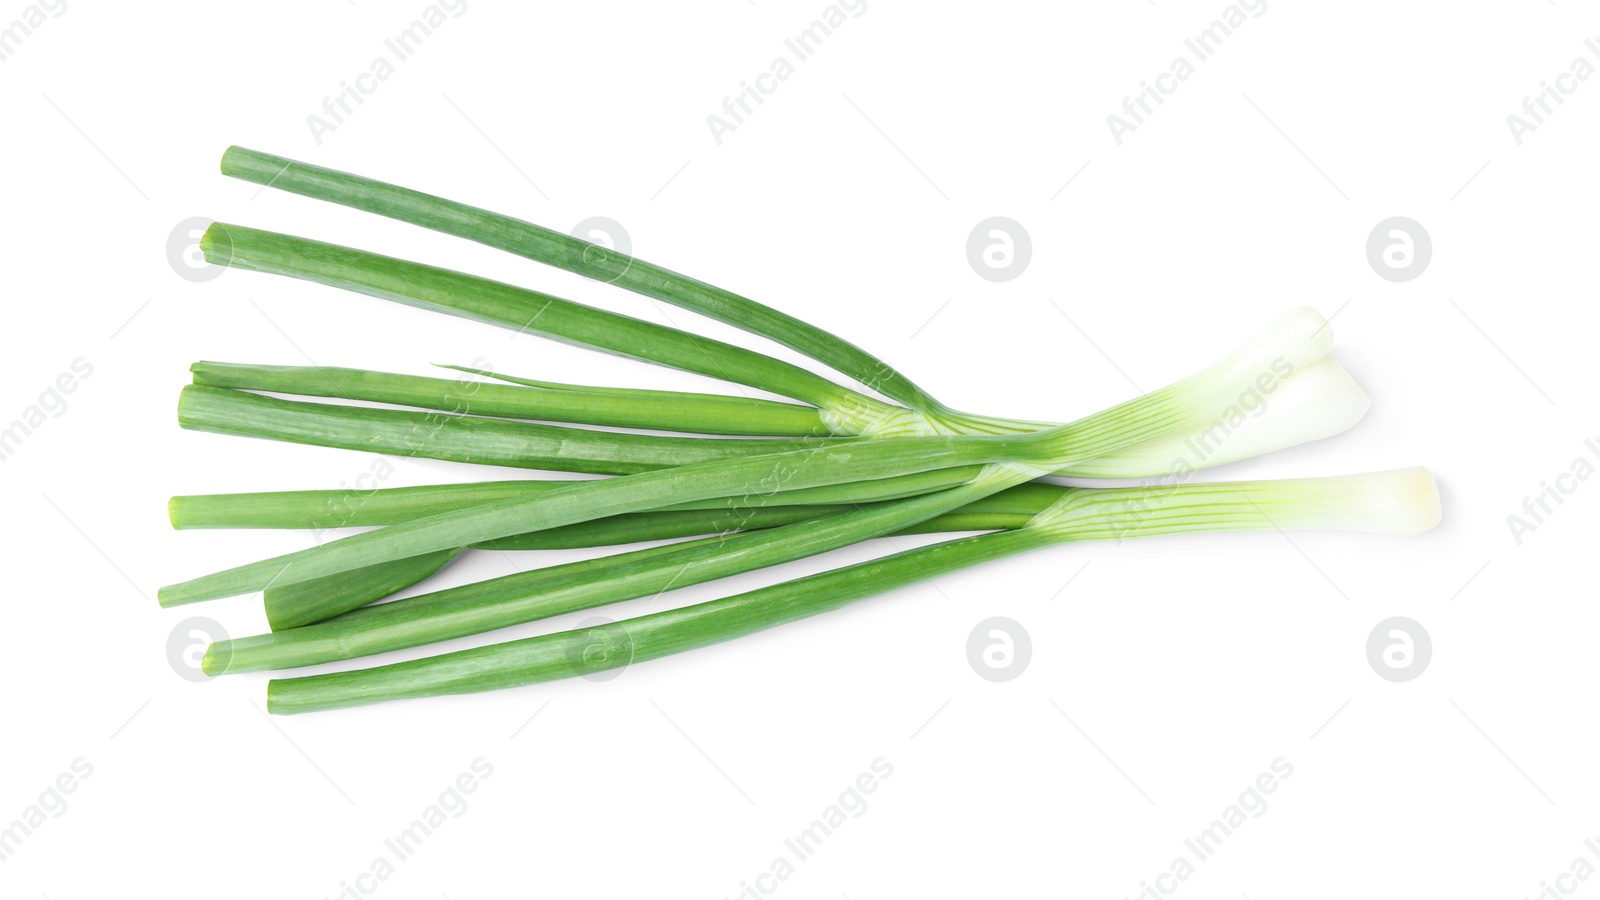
x=740 y=485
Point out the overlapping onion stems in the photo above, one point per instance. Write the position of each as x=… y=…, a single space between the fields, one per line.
x=1400 y=502
x=769 y=481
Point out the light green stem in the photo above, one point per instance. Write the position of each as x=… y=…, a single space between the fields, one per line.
x=458 y=438
x=616 y=407
x=356 y=507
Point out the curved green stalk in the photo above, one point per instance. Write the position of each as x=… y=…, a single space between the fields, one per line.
x=460 y=294
x=1009 y=508
x=576 y=255
x=307 y=602
x=459 y=438
x=356 y=507
x=614 y=407
x=645 y=393
x=293 y=605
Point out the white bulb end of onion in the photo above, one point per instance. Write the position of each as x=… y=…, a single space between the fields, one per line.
x=1399 y=501
x=1281 y=389
x=1299 y=336
x=1316 y=401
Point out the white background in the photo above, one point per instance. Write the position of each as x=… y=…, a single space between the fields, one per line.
x=1165 y=677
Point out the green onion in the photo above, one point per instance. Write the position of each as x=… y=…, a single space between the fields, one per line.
x=1005 y=509
x=1401 y=502
x=305 y=602
x=658 y=410
x=388 y=506
x=769 y=482
x=467 y=439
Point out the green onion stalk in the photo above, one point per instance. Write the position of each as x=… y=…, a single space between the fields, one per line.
x=1399 y=502
x=355 y=507
x=546 y=401
x=459 y=438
